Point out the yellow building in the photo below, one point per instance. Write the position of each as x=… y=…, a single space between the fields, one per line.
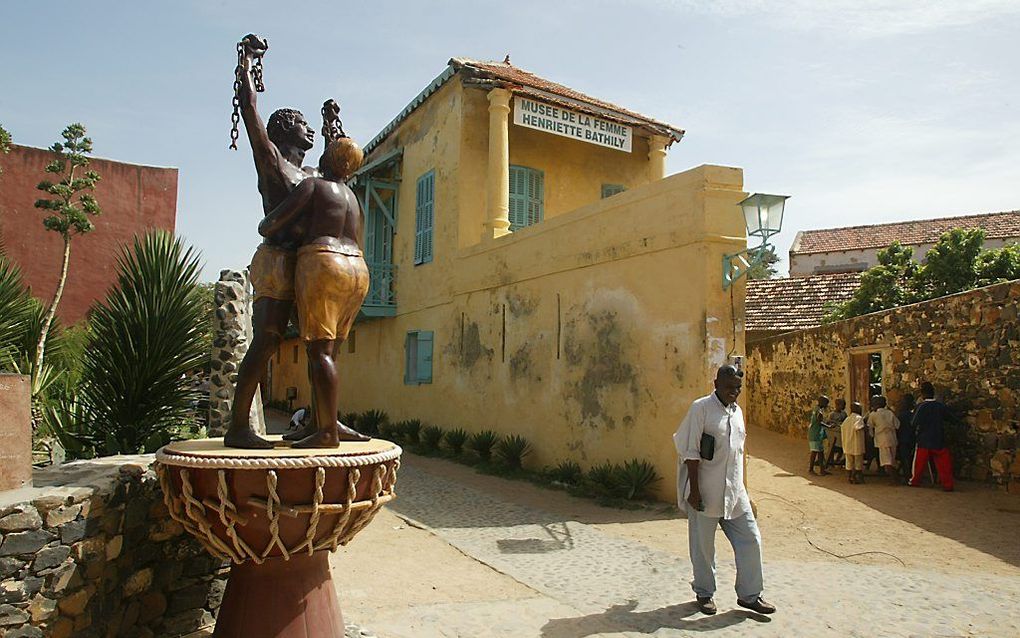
x=535 y=272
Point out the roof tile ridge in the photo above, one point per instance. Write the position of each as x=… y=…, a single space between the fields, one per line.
x=911 y=221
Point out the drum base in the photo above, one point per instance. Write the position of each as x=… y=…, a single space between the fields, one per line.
x=281 y=599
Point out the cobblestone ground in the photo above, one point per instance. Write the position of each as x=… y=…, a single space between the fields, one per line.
x=587 y=582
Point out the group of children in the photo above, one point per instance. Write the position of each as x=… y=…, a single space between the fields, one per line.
x=851 y=433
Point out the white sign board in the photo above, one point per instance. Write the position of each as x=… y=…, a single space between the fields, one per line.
x=572 y=124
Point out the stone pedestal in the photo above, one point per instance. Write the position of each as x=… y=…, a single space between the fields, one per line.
x=15 y=431
x=232 y=332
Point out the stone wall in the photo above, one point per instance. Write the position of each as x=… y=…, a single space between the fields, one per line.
x=232 y=332
x=91 y=551
x=968 y=345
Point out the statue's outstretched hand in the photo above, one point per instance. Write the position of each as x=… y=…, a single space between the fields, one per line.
x=254 y=46
x=332 y=128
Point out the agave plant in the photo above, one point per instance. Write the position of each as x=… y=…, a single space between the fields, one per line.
x=512 y=449
x=146 y=334
x=370 y=422
x=431 y=435
x=455 y=440
x=482 y=443
x=634 y=478
x=349 y=419
x=601 y=478
x=409 y=431
x=568 y=472
x=16 y=311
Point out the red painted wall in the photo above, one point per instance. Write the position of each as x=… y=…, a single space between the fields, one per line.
x=133 y=198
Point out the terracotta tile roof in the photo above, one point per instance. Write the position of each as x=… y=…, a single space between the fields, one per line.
x=527 y=83
x=1004 y=225
x=795 y=303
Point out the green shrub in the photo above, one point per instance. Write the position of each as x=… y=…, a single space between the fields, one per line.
x=634 y=478
x=455 y=440
x=482 y=443
x=410 y=431
x=146 y=335
x=568 y=472
x=16 y=309
x=388 y=430
x=431 y=435
x=512 y=449
x=371 y=422
x=601 y=479
x=278 y=404
x=350 y=419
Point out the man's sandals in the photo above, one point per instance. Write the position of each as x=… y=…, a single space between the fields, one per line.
x=758 y=605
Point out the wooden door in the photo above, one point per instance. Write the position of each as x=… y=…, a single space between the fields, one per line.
x=860 y=378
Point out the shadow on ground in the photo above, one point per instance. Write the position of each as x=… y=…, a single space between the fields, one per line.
x=623 y=618
x=975 y=514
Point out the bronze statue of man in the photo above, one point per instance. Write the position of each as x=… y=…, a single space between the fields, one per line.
x=279 y=149
x=331 y=278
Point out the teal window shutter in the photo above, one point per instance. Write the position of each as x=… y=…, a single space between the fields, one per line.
x=424 y=356
x=424 y=217
x=411 y=358
x=418 y=357
x=608 y=190
x=527 y=196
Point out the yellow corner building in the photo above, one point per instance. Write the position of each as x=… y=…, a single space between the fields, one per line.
x=534 y=271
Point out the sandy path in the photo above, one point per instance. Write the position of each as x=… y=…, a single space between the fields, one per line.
x=526 y=566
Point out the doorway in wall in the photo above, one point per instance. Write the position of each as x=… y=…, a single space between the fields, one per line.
x=865 y=376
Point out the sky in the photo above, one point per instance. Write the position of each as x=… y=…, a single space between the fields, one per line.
x=863 y=111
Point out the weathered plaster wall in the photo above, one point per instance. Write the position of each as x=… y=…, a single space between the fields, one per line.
x=590 y=333
x=91 y=551
x=968 y=345
x=133 y=198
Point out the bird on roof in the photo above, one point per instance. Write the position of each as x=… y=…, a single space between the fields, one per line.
x=506 y=60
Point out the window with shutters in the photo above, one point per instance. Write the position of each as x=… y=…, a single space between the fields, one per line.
x=608 y=190
x=418 y=357
x=527 y=190
x=424 y=217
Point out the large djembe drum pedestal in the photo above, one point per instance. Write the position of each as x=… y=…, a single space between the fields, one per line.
x=276 y=515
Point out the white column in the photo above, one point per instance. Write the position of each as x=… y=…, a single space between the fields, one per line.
x=498 y=179
x=657 y=157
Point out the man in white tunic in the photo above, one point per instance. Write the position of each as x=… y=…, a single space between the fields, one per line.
x=710 y=490
x=884 y=427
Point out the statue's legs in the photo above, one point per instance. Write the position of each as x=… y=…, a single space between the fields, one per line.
x=269 y=323
x=324 y=380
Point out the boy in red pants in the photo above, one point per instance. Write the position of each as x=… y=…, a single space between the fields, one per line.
x=929 y=421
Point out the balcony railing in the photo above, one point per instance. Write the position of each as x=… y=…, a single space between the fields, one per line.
x=381 y=301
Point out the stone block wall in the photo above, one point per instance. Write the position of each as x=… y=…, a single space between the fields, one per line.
x=91 y=551
x=967 y=345
x=232 y=332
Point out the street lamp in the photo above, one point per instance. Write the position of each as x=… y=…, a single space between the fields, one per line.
x=763 y=216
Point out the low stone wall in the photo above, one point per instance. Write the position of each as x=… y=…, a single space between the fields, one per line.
x=91 y=551
x=968 y=345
